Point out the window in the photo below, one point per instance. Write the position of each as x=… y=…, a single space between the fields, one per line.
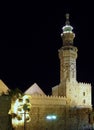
x=83 y=93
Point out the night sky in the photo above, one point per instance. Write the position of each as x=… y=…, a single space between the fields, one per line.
x=31 y=54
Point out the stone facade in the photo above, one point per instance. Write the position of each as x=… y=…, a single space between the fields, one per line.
x=78 y=94
x=69 y=106
x=67 y=117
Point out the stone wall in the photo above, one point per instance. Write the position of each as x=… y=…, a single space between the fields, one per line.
x=5 y=119
x=47 y=100
x=67 y=117
x=79 y=94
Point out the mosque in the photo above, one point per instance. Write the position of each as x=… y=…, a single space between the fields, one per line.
x=69 y=106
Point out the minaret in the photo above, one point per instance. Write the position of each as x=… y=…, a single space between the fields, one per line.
x=67 y=54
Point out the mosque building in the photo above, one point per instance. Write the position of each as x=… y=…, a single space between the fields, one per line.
x=69 y=106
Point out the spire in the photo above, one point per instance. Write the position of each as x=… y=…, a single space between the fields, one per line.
x=67 y=34
x=67 y=19
x=67 y=28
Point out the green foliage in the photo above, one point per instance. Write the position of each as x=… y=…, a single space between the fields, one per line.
x=16 y=93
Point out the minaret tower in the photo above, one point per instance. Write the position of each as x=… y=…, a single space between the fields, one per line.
x=67 y=54
x=77 y=94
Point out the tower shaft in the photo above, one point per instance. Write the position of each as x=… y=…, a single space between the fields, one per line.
x=68 y=55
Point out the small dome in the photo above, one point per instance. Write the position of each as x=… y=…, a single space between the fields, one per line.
x=67 y=29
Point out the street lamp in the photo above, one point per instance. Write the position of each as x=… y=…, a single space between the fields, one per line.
x=26 y=108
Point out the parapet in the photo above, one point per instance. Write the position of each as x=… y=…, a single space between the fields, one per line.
x=47 y=100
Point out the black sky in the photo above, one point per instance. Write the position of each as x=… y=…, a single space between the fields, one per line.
x=31 y=54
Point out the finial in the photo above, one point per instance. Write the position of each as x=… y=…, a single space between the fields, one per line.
x=67 y=19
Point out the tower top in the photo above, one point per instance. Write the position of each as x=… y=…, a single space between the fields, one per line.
x=67 y=19
x=67 y=34
x=67 y=28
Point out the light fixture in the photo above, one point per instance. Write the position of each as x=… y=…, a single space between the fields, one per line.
x=51 y=117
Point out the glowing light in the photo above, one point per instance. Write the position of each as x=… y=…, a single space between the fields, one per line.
x=67 y=29
x=51 y=117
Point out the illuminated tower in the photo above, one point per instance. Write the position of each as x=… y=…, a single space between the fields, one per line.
x=67 y=56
